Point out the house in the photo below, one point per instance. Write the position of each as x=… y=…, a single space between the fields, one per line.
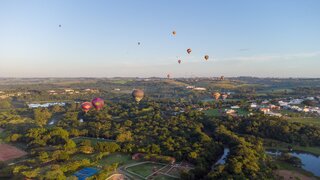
x=199 y=89
x=265 y=110
x=265 y=102
x=253 y=105
x=274 y=107
x=137 y=156
x=190 y=87
x=230 y=111
x=296 y=101
x=235 y=107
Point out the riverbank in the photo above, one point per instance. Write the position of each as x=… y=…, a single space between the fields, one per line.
x=282 y=146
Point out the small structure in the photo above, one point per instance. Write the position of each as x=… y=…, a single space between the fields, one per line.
x=265 y=110
x=137 y=156
x=199 y=89
x=84 y=173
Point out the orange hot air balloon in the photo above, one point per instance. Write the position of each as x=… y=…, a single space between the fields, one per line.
x=206 y=57
x=189 y=50
x=224 y=96
x=137 y=94
x=174 y=33
x=216 y=95
x=179 y=61
x=86 y=106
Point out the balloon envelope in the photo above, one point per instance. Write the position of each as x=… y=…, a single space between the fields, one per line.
x=86 y=106
x=216 y=95
x=189 y=50
x=174 y=33
x=97 y=103
x=179 y=61
x=206 y=57
x=137 y=94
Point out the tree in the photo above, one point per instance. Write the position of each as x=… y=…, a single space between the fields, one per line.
x=41 y=116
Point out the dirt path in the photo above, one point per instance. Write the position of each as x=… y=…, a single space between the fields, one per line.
x=289 y=175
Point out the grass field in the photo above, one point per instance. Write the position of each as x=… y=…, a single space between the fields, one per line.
x=212 y=112
x=286 y=166
x=145 y=169
x=308 y=120
x=120 y=158
x=163 y=177
x=282 y=146
x=94 y=141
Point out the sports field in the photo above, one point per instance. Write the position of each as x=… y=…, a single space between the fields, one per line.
x=145 y=169
x=8 y=152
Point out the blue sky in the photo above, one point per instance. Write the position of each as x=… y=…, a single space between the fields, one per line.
x=267 y=38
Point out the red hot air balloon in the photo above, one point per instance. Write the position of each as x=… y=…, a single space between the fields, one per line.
x=179 y=61
x=97 y=103
x=189 y=50
x=86 y=106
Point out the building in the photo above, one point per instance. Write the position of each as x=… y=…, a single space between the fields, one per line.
x=235 y=107
x=265 y=110
x=199 y=89
x=190 y=87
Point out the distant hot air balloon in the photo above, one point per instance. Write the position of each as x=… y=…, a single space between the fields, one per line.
x=174 y=33
x=224 y=96
x=168 y=76
x=206 y=57
x=222 y=78
x=216 y=95
x=86 y=106
x=137 y=94
x=138 y=43
x=189 y=50
x=179 y=61
x=59 y=25
x=97 y=103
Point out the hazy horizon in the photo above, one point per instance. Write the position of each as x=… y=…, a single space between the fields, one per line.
x=99 y=39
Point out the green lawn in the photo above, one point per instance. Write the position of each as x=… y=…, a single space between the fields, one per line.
x=163 y=177
x=308 y=120
x=94 y=141
x=286 y=166
x=120 y=158
x=282 y=146
x=212 y=112
x=145 y=169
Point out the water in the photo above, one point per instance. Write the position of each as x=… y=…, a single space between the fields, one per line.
x=223 y=158
x=310 y=162
x=46 y=104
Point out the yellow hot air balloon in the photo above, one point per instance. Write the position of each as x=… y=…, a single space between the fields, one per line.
x=216 y=95
x=137 y=94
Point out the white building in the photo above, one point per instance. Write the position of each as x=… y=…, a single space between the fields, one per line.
x=199 y=89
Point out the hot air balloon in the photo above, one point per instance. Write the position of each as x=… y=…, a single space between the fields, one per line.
x=137 y=94
x=221 y=78
x=59 y=25
x=216 y=95
x=138 y=43
x=206 y=57
x=86 y=106
x=189 y=50
x=97 y=103
x=174 y=33
x=224 y=96
x=168 y=76
x=179 y=61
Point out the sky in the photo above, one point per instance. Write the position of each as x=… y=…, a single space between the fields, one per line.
x=99 y=38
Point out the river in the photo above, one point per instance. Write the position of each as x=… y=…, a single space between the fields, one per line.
x=310 y=162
